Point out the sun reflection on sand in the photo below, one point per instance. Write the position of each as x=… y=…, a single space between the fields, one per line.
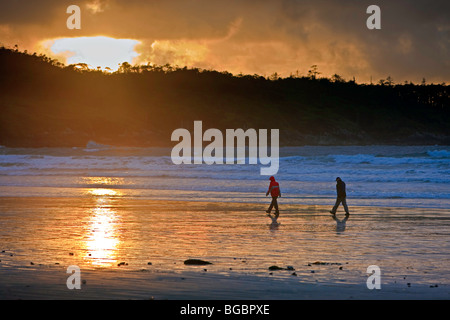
x=103 y=192
x=102 y=237
x=102 y=230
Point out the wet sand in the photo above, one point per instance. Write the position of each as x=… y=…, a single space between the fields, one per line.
x=135 y=249
x=50 y=284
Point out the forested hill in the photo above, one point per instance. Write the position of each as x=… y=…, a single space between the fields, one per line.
x=45 y=103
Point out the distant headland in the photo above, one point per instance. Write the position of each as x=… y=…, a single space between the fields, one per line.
x=44 y=103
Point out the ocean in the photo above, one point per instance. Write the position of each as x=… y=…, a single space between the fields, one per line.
x=392 y=176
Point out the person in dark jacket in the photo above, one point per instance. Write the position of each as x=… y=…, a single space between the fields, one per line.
x=341 y=196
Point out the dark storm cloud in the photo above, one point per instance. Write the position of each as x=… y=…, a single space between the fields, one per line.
x=24 y=12
x=258 y=36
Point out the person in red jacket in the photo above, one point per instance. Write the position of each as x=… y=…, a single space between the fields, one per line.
x=275 y=192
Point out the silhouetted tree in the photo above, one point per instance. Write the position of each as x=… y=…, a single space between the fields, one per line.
x=337 y=78
x=313 y=72
x=274 y=76
x=125 y=67
x=389 y=81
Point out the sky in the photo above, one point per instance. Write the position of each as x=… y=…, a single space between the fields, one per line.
x=242 y=36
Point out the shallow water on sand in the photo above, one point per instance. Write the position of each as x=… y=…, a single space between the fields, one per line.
x=106 y=231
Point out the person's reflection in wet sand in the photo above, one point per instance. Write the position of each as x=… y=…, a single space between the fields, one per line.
x=275 y=224
x=340 y=224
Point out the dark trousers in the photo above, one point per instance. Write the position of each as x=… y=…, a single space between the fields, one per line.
x=338 y=202
x=274 y=203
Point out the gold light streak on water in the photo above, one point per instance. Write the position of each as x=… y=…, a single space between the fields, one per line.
x=102 y=238
x=102 y=192
x=102 y=182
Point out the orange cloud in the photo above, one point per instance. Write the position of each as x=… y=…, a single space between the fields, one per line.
x=261 y=37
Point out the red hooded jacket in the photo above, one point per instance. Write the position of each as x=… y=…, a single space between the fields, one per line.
x=274 y=188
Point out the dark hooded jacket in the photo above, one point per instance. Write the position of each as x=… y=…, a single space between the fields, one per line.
x=340 y=189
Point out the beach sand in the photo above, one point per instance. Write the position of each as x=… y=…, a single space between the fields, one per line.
x=45 y=284
x=136 y=248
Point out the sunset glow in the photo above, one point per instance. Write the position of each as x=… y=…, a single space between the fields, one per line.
x=104 y=52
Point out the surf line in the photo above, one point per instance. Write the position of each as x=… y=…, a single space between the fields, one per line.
x=213 y=153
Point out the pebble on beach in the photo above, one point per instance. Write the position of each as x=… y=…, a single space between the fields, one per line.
x=196 y=262
x=320 y=263
x=272 y=268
